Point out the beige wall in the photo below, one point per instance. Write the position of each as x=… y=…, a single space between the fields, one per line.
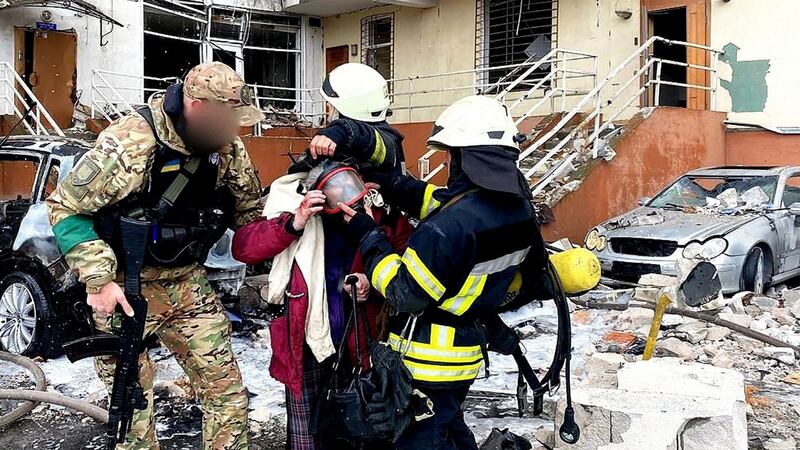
x=762 y=30
x=426 y=41
x=592 y=26
x=442 y=39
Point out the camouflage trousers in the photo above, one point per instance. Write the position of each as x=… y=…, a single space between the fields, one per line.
x=190 y=321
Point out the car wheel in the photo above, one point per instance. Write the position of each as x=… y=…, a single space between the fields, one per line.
x=754 y=272
x=27 y=324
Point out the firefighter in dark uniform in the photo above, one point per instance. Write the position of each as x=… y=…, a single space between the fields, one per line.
x=460 y=261
x=360 y=99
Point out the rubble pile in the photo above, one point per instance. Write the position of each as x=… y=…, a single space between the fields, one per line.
x=771 y=374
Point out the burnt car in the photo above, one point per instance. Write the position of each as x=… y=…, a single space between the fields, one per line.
x=38 y=292
x=744 y=220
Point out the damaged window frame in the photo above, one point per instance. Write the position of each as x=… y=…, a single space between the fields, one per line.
x=491 y=44
x=369 y=46
x=211 y=43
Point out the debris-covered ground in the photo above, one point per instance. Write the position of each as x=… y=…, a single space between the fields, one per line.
x=772 y=376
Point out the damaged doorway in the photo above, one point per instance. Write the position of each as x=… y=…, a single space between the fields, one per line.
x=47 y=61
x=679 y=20
x=670 y=24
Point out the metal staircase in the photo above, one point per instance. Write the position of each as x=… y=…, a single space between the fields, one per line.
x=581 y=114
x=602 y=110
x=17 y=100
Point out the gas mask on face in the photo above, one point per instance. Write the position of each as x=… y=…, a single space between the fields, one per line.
x=340 y=183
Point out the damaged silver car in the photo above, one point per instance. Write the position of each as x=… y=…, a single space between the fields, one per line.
x=37 y=290
x=744 y=220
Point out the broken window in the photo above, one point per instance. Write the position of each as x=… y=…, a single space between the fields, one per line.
x=263 y=48
x=17 y=177
x=227 y=24
x=377 y=43
x=510 y=31
x=271 y=56
x=172 y=43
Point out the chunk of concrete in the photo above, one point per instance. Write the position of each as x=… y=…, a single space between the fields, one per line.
x=662 y=404
x=739 y=319
x=673 y=346
x=717 y=333
x=602 y=368
x=658 y=280
x=695 y=331
x=782 y=354
x=634 y=318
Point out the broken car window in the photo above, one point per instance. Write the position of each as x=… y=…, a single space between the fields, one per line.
x=17 y=178
x=695 y=191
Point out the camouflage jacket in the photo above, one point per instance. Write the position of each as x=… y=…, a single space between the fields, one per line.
x=118 y=166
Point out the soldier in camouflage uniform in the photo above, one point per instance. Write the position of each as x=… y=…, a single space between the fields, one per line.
x=200 y=116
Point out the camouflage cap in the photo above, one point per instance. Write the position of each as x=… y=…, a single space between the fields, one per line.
x=217 y=81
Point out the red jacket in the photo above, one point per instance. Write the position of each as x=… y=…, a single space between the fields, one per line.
x=264 y=239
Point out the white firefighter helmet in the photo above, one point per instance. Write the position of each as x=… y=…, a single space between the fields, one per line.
x=475 y=120
x=357 y=91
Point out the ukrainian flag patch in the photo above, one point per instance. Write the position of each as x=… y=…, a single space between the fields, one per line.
x=171 y=166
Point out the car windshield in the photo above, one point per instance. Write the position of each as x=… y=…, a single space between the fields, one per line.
x=696 y=191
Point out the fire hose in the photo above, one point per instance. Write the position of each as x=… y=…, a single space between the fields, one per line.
x=39 y=394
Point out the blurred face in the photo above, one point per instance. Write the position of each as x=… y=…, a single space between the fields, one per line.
x=210 y=125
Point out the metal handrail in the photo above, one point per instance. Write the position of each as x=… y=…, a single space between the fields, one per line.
x=536 y=84
x=599 y=107
x=11 y=94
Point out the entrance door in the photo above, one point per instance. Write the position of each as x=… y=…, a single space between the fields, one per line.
x=336 y=56
x=680 y=20
x=47 y=62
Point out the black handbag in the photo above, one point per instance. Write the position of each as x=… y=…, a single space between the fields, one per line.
x=340 y=412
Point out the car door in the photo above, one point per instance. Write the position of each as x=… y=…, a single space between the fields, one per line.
x=787 y=225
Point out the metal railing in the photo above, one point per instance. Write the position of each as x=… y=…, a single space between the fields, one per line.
x=107 y=99
x=15 y=93
x=109 y=102
x=610 y=99
x=535 y=87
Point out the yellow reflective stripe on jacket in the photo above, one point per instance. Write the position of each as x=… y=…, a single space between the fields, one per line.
x=442 y=336
x=379 y=155
x=471 y=290
x=422 y=275
x=428 y=202
x=502 y=263
x=385 y=272
x=476 y=281
x=441 y=374
x=428 y=352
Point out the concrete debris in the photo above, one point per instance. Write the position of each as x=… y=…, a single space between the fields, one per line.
x=780 y=444
x=782 y=354
x=754 y=197
x=637 y=220
x=722 y=359
x=715 y=333
x=658 y=280
x=694 y=331
x=634 y=319
x=662 y=402
x=739 y=319
x=546 y=436
x=673 y=346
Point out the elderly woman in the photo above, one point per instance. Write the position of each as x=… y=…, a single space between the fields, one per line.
x=302 y=231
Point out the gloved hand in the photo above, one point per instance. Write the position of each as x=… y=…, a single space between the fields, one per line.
x=379 y=414
x=359 y=224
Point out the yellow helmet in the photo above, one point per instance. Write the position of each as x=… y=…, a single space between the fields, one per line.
x=578 y=269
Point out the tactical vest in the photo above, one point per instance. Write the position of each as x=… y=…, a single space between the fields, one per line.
x=187 y=211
